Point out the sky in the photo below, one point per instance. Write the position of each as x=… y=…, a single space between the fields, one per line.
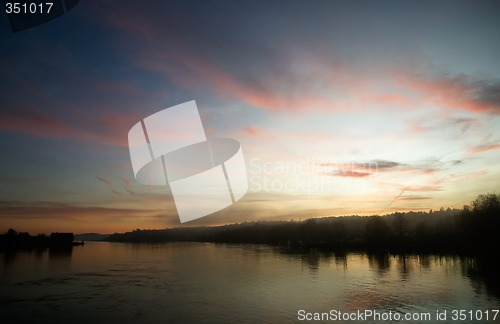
x=341 y=107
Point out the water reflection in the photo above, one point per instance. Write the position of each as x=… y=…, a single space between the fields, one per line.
x=481 y=271
x=483 y=274
x=312 y=260
x=60 y=260
x=341 y=259
x=234 y=283
x=60 y=253
x=9 y=257
x=404 y=265
x=424 y=261
x=380 y=262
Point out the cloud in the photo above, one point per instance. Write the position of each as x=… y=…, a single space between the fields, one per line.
x=413 y=198
x=359 y=169
x=371 y=167
x=32 y=121
x=241 y=68
x=112 y=187
x=102 y=126
x=352 y=174
x=281 y=78
x=72 y=106
x=383 y=164
x=455 y=91
x=484 y=148
x=49 y=217
x=423 y=188
x=449 y=123
x=127 y=183
x=259 y=132
x=107 y=181
x=252 y=130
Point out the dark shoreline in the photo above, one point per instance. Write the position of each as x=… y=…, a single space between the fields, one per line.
x=12 y=241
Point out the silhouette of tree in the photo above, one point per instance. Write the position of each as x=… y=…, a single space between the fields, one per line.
x=480 y=221
x=399 y=225
x=377 y=229
x=421 y=231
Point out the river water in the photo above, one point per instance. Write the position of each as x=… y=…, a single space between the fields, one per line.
x=220 y=283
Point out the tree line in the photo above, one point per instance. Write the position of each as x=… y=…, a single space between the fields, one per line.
x=473 y=228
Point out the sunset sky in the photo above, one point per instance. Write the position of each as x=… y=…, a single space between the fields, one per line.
x=341 y=107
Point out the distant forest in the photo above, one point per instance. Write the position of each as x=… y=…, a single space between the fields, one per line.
x=475 y=228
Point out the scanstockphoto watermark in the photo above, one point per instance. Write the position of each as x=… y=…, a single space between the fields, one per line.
x=438 y=315
x=363 y=315
x=309 y=175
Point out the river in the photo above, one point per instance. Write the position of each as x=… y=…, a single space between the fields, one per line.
x=223 y=283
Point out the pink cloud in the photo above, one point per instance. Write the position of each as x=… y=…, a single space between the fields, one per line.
x=413 y=198
x=102 y=126
x=365 y=169
x=294 y=95
x=417 y=127
x=318 y=80
x=104 y=117
x=484 y=148
x=126 y=181
x=259 y=132
x=352 y=174
x=423 y=188
x=185 y=66
x=455 y=92
x=251 y=131
x=126 y=185
x=33 y=122
x=107 y=181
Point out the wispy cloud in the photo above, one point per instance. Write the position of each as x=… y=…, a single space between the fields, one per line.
x=484 y=148
x=53 y=216
x=356 y=169
x=34 y=122
x=455 y=91
x=413 y=198
x=352 y=174
x=127 y=183
x=423 y=188
x=107 y=181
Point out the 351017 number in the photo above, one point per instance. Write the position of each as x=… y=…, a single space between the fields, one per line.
x=27 y=8
x=474 y=315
